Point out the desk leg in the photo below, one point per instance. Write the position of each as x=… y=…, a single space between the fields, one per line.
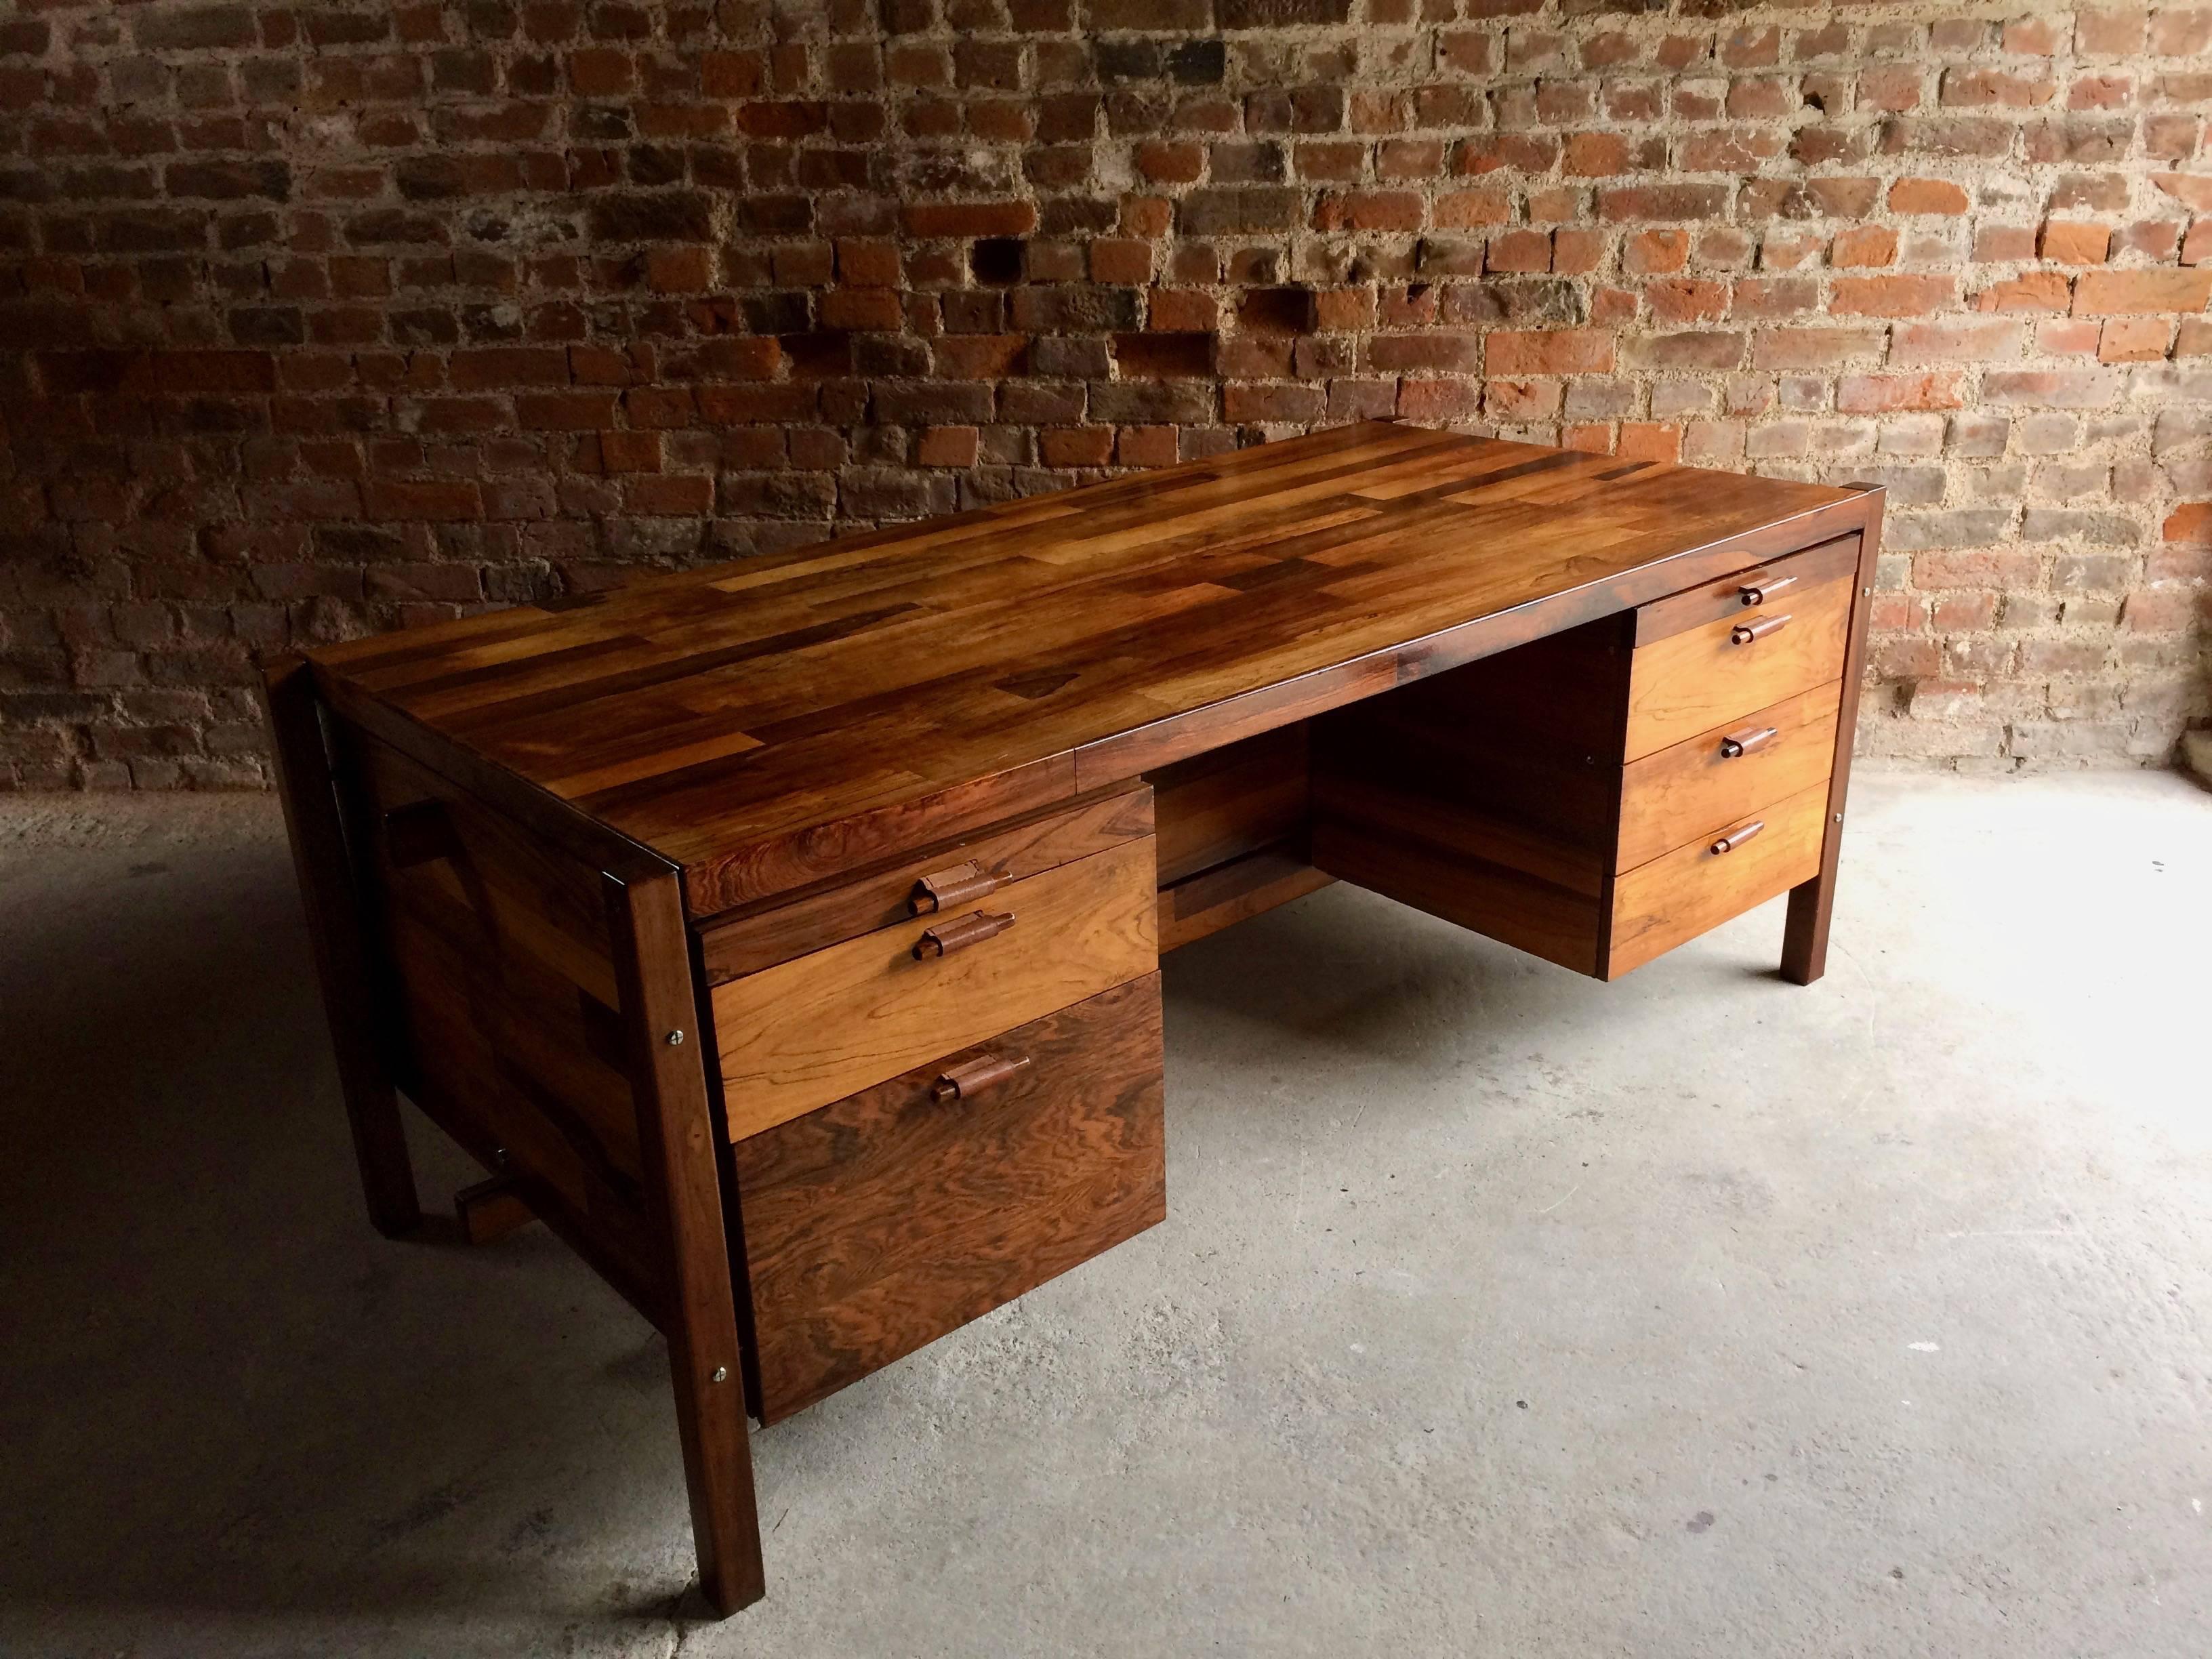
x=1805 y=935
x=684 y=1192
x=335 y=935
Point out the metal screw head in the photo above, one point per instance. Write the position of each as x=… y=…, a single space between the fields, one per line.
x=721 y=1374
x=676 y=1039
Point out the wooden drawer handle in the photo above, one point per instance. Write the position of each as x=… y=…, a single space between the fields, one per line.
x=1736 y=837
x=1745 y=633
x=942 y=889
x=984 y=1072
x=947 y=937
x=1751 y=738
x=1760 y=589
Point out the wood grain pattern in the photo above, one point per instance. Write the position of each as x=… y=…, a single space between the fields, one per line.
x=1221 y=806
x=1690 y=789
x=1708 y=602
x=509 y=1013
x=809 y=1031
x=770 y=724
x=1805 y=936
x=1692 y=890
x=1237 y=890
x=880 y=1223
x=682 y=1147
x=1448 y=861
x=1686 y=682
x=1487 y=795
x=762 y=935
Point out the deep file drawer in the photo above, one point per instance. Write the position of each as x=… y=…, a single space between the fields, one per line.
x=880 y=1223
x=816 y=1029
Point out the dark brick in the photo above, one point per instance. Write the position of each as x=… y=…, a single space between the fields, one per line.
x=659 y=217
x=1279 y=13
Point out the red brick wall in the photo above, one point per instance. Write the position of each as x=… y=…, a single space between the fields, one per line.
x=326 y=318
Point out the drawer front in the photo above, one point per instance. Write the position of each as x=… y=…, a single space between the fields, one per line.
x=1700 y=787
x=1691 y=890
x=1775 y=584
x=762 y=935
x=882 y=1222
x=814 y=1030
x=1680 y=685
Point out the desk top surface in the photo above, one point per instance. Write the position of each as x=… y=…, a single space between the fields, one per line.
x=939 y=674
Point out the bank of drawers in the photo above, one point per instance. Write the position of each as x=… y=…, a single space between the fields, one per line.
x=943 y=1079
x=1607 y=792
x=1734 y=691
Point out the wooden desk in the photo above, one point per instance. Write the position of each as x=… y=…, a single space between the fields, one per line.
x=784 y=935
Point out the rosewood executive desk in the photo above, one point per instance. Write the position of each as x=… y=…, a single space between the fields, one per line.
x=785 y=935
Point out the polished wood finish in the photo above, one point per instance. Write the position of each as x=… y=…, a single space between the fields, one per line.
x=770 y=724
x=1723 y=670
x=785 y=934
x=762 y=935
x=1726 y=598
x=681 y=1144
x=1219 y=807
x=1235 y=891
x=1698 y=787
x=355 y=1003
x=1694 y=889
x=1805 y=935
x=806 y=1032
x=879 y=1223
x=507 y=1010
x=1487 y=795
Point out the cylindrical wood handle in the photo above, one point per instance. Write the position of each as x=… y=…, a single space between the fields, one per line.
x=1759 y=589
x=984 y=1072
x=940 y=889
x=1737 y=836
x=1745 y=633
x=959 y=933
x=1743 y=742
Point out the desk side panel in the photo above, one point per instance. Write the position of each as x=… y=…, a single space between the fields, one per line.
x=507 y=1015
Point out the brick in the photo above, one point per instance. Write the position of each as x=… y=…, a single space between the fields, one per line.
x=1864 y=244
x=2075 y=243
x=969 y=219
x=2135 y=339
x=1882 y=394
x=1071 y=447
x=1927 y=196
x=947 y=446
x=1812 y=348
x=1549 y=352
x=2109 y=293
x=1024 y=234
x=1965 y=339
x=2036 y=290
x=1891 y=296
x=1656 y=251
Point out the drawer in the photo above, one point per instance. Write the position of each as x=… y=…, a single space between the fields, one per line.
x=1681 y=894
x=880 y=1223
x=822 y=1026
x=1700 y=787
x=759 y=936
x=1708 y=656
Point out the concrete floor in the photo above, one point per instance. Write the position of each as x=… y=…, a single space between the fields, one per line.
x=1498 y=1312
